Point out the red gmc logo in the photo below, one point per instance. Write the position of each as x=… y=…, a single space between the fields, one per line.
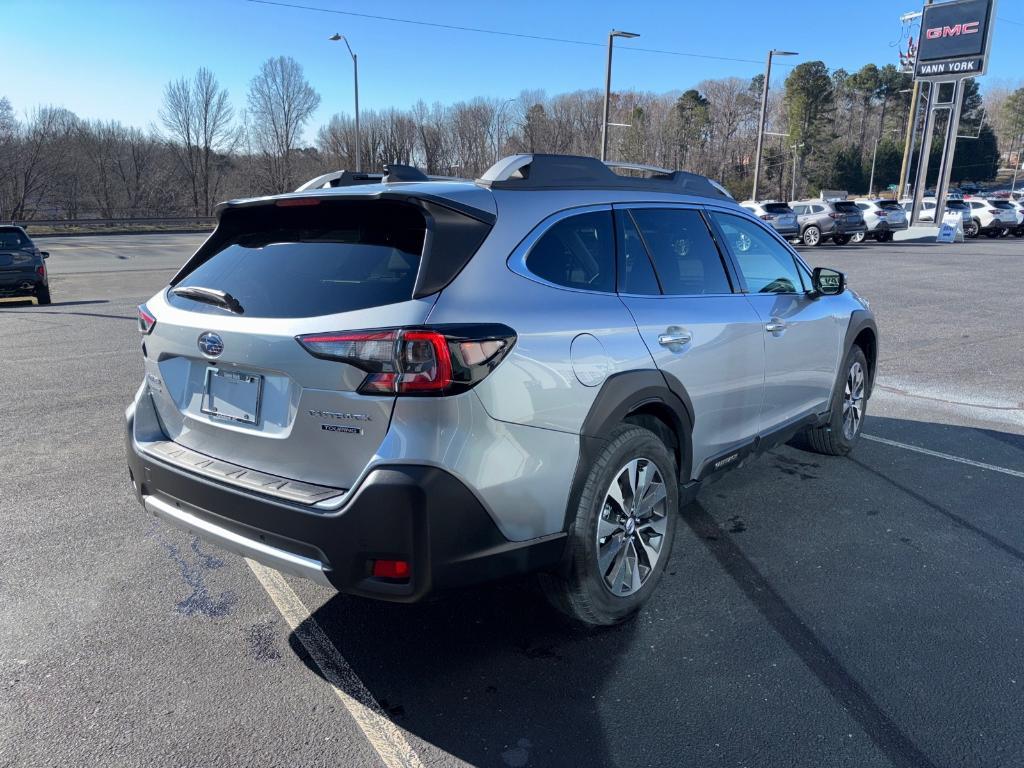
x=970 y=28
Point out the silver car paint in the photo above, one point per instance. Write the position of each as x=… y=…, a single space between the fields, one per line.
x=514 y=439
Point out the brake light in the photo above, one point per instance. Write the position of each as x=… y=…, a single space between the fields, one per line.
x=440 y=360
x=994 y=211
x=835 y=215
x=146 y=320
x=767 y=216
x=297 y=202
x=41 y=270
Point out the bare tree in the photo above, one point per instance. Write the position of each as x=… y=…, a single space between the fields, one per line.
x=281 y=102
x=198 y=117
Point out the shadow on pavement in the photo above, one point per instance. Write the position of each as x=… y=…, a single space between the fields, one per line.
x=492 y=677
x=483 y=674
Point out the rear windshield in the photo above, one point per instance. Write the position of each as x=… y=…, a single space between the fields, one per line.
x=1000 y=204
x=309 y=261
x=845 y=206
x=957 y=205
x=13 y=239
x=890 y=205
x=776 y=208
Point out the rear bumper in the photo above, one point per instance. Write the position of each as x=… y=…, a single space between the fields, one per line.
x=420 y=514
x=22 y=286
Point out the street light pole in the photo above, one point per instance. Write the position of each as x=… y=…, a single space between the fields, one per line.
x=764 y=116
x=355 y=75
x=608 y=89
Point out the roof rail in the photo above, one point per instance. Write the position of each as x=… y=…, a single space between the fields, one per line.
x=341 y=179
x=540 y=171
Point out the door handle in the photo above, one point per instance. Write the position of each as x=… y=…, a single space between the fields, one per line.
x=674 y=337
x=775 y=326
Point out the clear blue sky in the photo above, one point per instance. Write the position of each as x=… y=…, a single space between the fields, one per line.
x=111 y=58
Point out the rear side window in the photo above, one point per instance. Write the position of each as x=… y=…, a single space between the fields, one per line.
x=310 y=261
x=577 y=252
x=685 y=257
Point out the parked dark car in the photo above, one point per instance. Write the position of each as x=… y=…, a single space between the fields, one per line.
x=22 y=266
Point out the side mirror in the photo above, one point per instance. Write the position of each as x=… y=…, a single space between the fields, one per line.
x=45 y=254
x=828 y=282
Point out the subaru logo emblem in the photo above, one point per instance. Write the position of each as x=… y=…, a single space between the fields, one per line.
x=211 y=344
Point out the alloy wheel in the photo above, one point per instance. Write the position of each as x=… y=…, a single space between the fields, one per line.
x=631 y=527
x=853 y=401
x=812 y=236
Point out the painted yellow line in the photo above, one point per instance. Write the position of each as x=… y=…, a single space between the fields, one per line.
x=384 y=736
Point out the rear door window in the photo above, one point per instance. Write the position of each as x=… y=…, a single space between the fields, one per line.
x=636 y=275
x=321 y=260
x=684 y=254
x=577 y=252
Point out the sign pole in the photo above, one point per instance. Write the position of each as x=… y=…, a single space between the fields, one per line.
x=922 y=163
x=949 y=150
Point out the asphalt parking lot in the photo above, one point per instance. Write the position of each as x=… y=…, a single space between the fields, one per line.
x=817 y=611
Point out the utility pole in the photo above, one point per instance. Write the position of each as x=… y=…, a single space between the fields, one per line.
x=764 y=115
x=608 y=89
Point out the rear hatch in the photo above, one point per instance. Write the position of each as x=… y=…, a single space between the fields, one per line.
x=230 y=379
x=1007 y=212
x=17 y=267
x=780 y=215
x=849 y=215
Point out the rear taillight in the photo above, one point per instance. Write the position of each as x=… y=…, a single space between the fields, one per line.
x=994 y=211
x=835 y=215
x=767 y=216
x=439 y=360
x=41 y=270
x=146 y=319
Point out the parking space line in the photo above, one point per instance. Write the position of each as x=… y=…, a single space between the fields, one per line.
x=384 y=736
x=947 y=456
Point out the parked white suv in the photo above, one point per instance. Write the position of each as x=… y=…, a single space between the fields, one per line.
x=994 y=218
x=882 y=218
x=779 y=215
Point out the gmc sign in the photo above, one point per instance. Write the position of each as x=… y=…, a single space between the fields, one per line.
x=954 y=39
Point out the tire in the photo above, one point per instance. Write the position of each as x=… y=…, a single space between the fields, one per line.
x=973 y=229
x=841 y=239
x=887 y=237
x=599 y=585
x=1018 y=232
x=836 y=438
x=992 y=233
x=43 y=295
x=811 y=236
x=860 y=237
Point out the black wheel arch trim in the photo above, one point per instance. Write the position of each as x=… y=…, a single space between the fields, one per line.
x=860 y=320
x=623 y=394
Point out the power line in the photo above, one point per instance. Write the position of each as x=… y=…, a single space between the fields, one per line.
x=1011 y=21
x=503 y=33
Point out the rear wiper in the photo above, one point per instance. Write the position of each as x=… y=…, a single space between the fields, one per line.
x=209 y=296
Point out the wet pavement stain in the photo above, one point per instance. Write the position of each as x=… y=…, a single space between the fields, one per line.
x=200 y=601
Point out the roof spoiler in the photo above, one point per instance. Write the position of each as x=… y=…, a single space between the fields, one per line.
x=540 y=171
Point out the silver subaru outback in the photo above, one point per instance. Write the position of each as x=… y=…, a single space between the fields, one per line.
x=394 y=385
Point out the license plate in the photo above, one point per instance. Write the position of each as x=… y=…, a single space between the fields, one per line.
x=232 y=395
x=787 y=221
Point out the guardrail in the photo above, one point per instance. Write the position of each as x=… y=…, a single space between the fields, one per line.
x=204 y=221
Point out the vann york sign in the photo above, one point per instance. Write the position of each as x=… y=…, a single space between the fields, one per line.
x=954 y=40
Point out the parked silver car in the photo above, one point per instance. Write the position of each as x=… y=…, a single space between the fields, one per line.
x=823 y=220
x=779 y=215
x=883 y=218
x=394 y=385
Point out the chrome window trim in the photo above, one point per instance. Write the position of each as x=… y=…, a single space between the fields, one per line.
x=516 y=261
